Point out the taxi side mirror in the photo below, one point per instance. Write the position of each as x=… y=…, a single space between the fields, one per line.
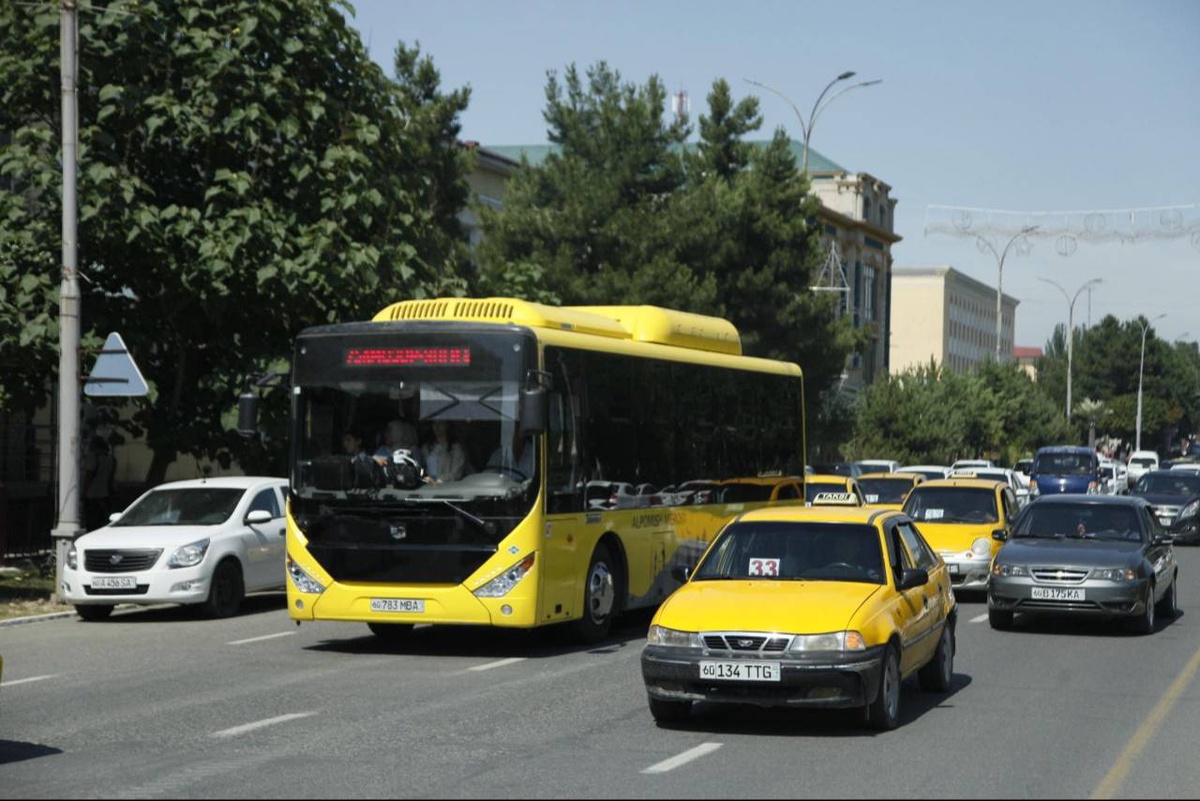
x=912 y=577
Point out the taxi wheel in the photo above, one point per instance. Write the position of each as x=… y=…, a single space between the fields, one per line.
x=94 y=611
x=883 y=713
x=1168 y=607
x=391 y=632
x=935 y=677
x=669 y=711
x=599 y=598
x=225 y=591
x=1000 y=619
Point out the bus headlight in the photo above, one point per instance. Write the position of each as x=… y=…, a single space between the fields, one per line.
x=502 y=584
x=303 y=581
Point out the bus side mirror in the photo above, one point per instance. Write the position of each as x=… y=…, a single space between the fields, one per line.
x=533 y=410
x=248 y=414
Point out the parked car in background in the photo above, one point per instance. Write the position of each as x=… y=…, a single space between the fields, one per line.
x=204 y=542
x=1141 y=462
x=1086 y=555
x=966 y=520
x=1065 y=468
x=1175 y=498
x=817 y=607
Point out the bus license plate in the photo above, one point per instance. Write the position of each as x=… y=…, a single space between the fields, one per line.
x=726 y=670
x=114 y=582
x=397 y=605
x=1057 y=594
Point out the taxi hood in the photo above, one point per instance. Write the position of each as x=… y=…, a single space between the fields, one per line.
x=955 y=536
x=796 y=607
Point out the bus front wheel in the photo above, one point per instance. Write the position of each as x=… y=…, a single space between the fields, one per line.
x=599 y=597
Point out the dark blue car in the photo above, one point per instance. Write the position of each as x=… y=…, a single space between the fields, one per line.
x=1059 y=469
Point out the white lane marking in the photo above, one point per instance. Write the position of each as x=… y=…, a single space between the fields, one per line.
x=979 y=618
x=682 y=759
x=26 y=681
x=501 y=663
x=236 y=730
x=264 y=637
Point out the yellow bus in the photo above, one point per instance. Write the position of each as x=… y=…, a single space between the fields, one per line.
x=594 y=443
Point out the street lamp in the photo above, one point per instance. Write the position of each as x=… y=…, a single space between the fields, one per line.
x=983 y=244
x=1137 y=435
x=1071 y=329
x=818 y=107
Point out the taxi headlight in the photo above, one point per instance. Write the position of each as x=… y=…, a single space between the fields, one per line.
x=661 y=635
x=981 y=546
x=1009 y=570
x=1188 y=511
x=1114 y=574
x=502 y=584
x=833 y=641
x=303 y=581
x=189 y=555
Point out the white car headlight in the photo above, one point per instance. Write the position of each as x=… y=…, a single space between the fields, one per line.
x=1114 y=574
x=503 y=583
x=661 y=635
x=981 y=546
x=303 y=581
x=1009 y=570
x=189 y=555
x=833 y=641
x=72 y=557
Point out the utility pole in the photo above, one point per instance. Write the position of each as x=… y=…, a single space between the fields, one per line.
x=68 y=496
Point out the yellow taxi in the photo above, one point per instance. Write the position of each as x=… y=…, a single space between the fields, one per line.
x=887 y=490
x=822 y=489
x=966 y=520
x=827 y=607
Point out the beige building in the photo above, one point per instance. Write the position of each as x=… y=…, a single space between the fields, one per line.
x=942 y=315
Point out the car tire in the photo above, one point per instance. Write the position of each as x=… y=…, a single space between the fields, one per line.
x=1000 y=619
x=94 y=612
x=669 y=711
x=883 y=713
x=225 y=591
x=599 y=598
x=1168 y=606
x=1144 y=623
x=935 y=677
x=391 y=633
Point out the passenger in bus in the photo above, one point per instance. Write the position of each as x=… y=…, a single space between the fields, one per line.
x=514 y=459
x=445 y=459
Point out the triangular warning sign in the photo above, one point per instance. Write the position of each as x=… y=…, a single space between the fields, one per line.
x=115 y=373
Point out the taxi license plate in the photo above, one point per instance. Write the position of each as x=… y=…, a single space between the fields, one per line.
x=114 y=582
x=397 y=605
x=740 y=671
x=1057 y=594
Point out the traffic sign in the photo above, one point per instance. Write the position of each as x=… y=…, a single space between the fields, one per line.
x=115 y=374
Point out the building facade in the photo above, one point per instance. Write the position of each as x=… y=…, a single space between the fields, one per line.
x=941 y=315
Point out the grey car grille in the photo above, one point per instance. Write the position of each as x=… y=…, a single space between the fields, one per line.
x=120 y=561
x=1059 y=575
x=733 y=641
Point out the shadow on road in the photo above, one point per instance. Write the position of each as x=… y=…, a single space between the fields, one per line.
x=256 y=604
x=16 y=751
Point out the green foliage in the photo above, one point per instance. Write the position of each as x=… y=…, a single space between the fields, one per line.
x=245 y=170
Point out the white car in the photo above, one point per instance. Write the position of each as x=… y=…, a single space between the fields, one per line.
x=969 y=464
x=878 y=465
x=1010 y=477
x=204 y=542
x=930 y=471
x=1140 y=463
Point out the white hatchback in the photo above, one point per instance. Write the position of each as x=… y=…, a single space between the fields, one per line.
x=204 y=542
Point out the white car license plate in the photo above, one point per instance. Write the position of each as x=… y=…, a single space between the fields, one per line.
x=953 y=568
x=397 y=605
x=740 y=671
x=1058 y=593
x=114 y=582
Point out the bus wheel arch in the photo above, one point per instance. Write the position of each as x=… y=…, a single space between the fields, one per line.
x=603 y=590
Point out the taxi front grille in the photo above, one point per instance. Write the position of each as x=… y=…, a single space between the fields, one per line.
x=729 y=641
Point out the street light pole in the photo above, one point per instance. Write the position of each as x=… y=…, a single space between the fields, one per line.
x=984 y=243
x=818 y=107
x=1071 y=327
x=1137 y=436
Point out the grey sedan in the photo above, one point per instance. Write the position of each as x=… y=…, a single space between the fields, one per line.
x=1091 y=555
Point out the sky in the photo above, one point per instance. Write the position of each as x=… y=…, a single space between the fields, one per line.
x=1033 y=109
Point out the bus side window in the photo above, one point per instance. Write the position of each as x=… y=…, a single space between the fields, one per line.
x=564 y=489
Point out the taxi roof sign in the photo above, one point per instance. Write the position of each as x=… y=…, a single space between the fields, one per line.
x=835 y=499
x=115 y=374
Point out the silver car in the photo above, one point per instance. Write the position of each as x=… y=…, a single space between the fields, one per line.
x=1090 y=555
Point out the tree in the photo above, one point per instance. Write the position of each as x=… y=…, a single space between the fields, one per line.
x=245 y=170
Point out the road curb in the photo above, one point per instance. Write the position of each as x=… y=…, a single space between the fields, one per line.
x=17 y=621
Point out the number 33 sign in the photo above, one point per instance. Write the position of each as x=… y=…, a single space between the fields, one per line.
x=764 y=567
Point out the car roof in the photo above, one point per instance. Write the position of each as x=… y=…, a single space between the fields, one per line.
x=237 y=482
x=898 y=475
x=832 y=478
x=1066 y=449
x=828 y=514
x=978 y=483
x=1075 y=498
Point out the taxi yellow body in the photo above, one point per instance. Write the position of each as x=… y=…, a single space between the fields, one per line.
x=966 y=520
x=828 y=489
x=887 y=490
x=822 y=606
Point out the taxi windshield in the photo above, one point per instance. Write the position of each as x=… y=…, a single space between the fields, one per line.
x=885 y=490
x=795 y=551
x=952 y=505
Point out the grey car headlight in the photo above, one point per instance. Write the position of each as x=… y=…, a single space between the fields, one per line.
x=999 y=569
x=189 y=555
x=1188 y=511
x=661 y=635
x=1114 y=574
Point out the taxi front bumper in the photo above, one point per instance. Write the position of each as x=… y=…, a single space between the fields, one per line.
x=968 y=572
x=828 y=681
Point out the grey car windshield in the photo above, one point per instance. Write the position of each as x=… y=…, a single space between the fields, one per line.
x=795 y=552
x=195 y=506
x=1080 y=521
x=1169 y=483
